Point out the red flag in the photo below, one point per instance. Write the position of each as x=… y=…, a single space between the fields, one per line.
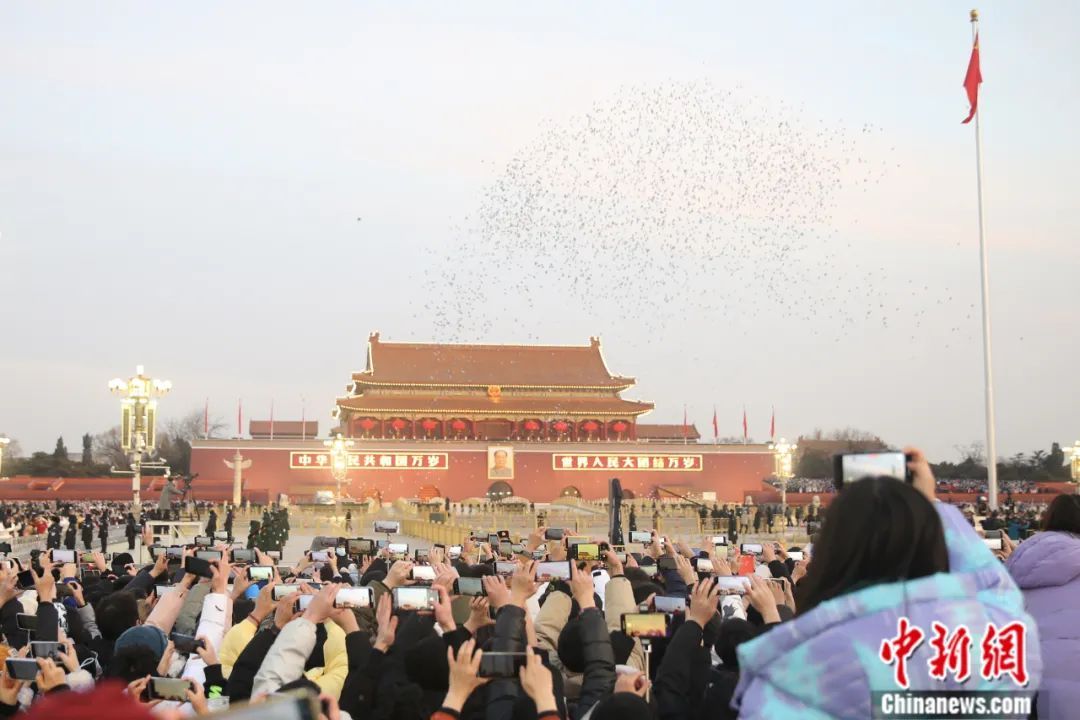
x=715 y=426
x=745 y=427
x=240 y=418
x=206 y=420
x=772 y=425
x=972 y=80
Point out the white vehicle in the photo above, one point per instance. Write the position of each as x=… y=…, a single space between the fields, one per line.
x=324 y=497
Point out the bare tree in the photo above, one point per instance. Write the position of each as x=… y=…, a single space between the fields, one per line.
x=972 y=452
x=107 y=449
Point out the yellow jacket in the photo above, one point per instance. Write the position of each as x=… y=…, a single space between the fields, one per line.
x=330 y=678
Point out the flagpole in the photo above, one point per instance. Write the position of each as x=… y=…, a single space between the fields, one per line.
x=991 y=437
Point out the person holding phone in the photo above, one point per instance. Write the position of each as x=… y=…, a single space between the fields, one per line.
x=888 y=550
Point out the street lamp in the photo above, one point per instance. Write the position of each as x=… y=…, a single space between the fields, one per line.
x=782 y=454
x=339 y=465
x=138 y=421
x=3 y=443
x=1074 y=463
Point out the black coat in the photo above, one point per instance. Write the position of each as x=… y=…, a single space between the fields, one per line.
x=69 y=536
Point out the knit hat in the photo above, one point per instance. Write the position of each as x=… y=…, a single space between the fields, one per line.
x=142 y=635
x=109 y=697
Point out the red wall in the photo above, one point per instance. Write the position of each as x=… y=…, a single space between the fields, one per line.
x=731 y=474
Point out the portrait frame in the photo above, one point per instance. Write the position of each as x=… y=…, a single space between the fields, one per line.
x=495 y=470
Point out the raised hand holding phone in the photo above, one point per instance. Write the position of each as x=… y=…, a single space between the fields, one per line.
x=762 y=599
x=464 y=674
x=387 y=624
x=537 y=683
x=523 y=583
x=581 y=585
x=703 y=602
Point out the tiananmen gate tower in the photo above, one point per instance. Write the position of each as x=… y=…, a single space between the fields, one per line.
x=466 y=421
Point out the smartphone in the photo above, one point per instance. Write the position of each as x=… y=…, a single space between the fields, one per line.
x=354 y=597
x=505 y=567
x=703 y=565
x=63 y=556
x=644 y=537
x=398 y=551
x=501 y=664
x=161 y=688
x=88 y=558
x=719 y=540
x=242 y=555
x=45 y=649
x=493 y=540
x=733 y=584
x=553 y=534
x=174 y=551
x=185 y=644
x=296 y=705
x=469 y=586
x=796 y=555
x=751 y=549
x=849 y=467
x=320 y=555
x=198 y=567
x=88 y=574
x=203 y=540
x=273 y=554
x=994 y=543
x=360 y=546
x=665 y=604
x=453 y=552
x=260 y=572
x=506 y=548
x=666 y=562
x=503 y=534
x=423 y=573
x=162 y=590
x=25 y=579
x=281 y=591
x=302 y=602
x=553 y=570
x=991 y=534
x=208 y=554
x=22 y=668
x=422 y=555
x=645 y=625
x=415 y=599
x=387 y=527
x=585 y=551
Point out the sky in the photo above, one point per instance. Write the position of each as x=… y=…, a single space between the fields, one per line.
x=236 y=194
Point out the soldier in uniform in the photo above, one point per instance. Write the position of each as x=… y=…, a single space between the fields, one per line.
x=52 y=539
x=103 y=531
x=71 y=532
x=229 y=517
x=88 y=532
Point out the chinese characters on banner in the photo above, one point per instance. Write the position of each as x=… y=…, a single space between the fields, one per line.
x=372 y=461
x=662 y=462
x=1002 y=652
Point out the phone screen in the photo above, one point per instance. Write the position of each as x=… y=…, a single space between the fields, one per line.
x=281 y=591
x=470 y=586
x=22 y=668
x=168 y=689
x=703 y=565
x=63 y=556
x=993 y=543
x=751 y=549
x=645 y=625
x=45 y=649
x=198 y=567
x=666 y=604
x=553 y=534
x=208 y=554
x=796 y=555
x=585 y=551
x=386 y=527
x=360 y=546
x=260 y=572
x=505 y=567
x=501 y=664
x=423 y=572
x=243 y=555
x=358 y=597
x=401 y=549
x=319 y=556
x=731 y=585
x=856 y=466
x=420 y=599
x=553 y=570
x=643 y=537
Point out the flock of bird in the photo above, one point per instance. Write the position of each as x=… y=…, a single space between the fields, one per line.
x=675 y=198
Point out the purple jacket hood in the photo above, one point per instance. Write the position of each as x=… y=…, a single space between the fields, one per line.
x=1046 y=559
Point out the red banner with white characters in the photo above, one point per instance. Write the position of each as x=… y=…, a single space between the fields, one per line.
x=627 y=462
x=299 y=460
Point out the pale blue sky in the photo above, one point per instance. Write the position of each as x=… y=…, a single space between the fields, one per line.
x=180 y=185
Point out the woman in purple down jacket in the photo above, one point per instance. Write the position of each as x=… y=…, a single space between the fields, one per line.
x=1047 y=569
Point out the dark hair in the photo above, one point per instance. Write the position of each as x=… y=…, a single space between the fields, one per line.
x=132 y=663
x=733 y=632
x=1063 y=514
x=876 y=530
x=116 y=613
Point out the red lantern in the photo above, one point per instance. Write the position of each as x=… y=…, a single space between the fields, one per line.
x=429 y=424
x=532 y=425
x=619 y=426
x=560 y=426
x=398 y=424
x=589 y=426
x=458 y=425
x=367 y=424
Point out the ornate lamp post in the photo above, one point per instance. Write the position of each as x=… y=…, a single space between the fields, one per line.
x=782 y=454
x=339 y=465
x=1073 y=454
x=3 y=443
x=138 y=420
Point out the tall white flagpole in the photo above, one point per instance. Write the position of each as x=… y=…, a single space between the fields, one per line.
x=991 y=437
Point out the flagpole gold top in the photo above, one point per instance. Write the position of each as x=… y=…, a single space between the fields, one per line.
x=974 y=15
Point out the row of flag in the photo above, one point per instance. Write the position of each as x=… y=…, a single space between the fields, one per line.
x=716 y=425
x=240 y=419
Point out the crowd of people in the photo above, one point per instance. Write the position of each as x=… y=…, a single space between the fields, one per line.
x=553 y=626
x=951 y=485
